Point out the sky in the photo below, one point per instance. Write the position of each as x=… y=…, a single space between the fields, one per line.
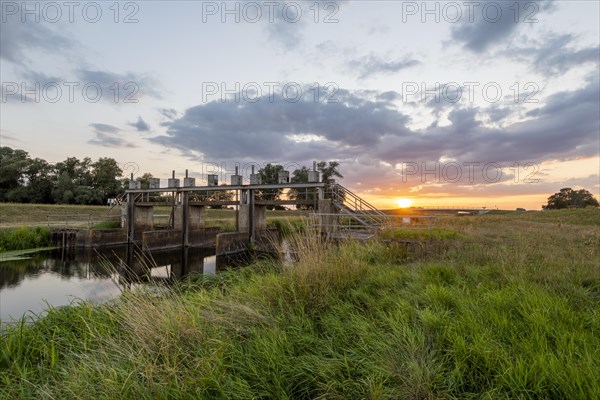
x=467 y=103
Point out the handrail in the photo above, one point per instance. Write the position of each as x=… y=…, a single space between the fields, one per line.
x=346 y=190
x=392 y=223
x=361 y=201
x=354 y=206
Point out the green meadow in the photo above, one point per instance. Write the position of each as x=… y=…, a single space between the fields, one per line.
x=497 y=306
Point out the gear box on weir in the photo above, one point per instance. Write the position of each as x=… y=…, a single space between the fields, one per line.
x=283 y=177
x=213 y=180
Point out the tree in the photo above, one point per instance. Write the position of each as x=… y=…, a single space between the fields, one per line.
x=79 y=171
x=269 y=175
x=105 y=176
x=63 y=192
x=216 y=195
x=299 y=176
x=40 y=180
x=144 y=180
x=329 y=171
x=27 y=180
x=12 y=169
x=569 y=198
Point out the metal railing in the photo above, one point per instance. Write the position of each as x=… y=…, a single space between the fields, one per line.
x=89 y=221
x=389 y=225
x=470 y=208
x=354 y=206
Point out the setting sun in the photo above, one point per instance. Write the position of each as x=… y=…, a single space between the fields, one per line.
x=404 y=203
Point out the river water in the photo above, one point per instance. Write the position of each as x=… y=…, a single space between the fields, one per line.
x=59 y=277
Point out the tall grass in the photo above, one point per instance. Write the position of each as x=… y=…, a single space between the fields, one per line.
x=24 y=238
x=510 y=310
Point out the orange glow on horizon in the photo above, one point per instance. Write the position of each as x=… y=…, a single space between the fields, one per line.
x=404 y=203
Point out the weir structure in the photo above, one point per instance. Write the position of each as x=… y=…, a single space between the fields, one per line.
x=337 y=212
x=332 y=205
x=189 y=202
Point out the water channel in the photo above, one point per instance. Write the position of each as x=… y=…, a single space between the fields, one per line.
x=60 y=277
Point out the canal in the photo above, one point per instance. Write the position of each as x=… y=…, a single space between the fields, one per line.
x=60 y=277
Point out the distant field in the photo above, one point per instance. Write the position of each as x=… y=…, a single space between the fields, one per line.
x=13 y=214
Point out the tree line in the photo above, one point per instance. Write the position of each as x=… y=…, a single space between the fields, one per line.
x=73 y=181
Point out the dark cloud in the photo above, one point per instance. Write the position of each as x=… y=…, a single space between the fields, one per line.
x=169 y=113
x=140 y=125
x=556 y=55
x=108 y=136
x=494 y=21
x=266 y=130
x=372 y=65
x=18 y=38
x=355 y=128
x=126 y=87
x=105 y=128
x=497 y=114
x=39 y=77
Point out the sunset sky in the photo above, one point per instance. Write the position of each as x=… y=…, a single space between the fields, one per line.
x=482 y=103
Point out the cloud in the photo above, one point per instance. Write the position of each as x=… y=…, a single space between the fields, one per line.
x=18 y=38
x=556 y=55
x=373 y=65
x=22 y=43
x=126 y=87
x=108 y=136
x=357 y=128
x=169 y=113
x=265 y=129
x=105 y=128
x=494 y=21
x=5 y=137
x=140 y=125
x=290 y=19
x=497 y=114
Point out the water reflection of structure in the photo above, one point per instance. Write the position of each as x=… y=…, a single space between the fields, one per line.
x=123 y=264
x=126 y=266
x=139 y=266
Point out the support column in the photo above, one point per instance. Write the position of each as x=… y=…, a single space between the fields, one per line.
x=130 y=217
x=328 y=218
x=143 y=220
x=251 y=215
x=185 y=219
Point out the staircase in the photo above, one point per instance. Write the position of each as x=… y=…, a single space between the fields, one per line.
x=354 y=207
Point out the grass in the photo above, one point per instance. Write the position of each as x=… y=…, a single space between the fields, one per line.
x=17 y=215
x=107 y=225
x=30 y=214
x=24 y=238
x=508 y=308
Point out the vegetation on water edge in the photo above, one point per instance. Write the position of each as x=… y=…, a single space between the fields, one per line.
x=107 y=225
x=24 y=238
x=511 y=309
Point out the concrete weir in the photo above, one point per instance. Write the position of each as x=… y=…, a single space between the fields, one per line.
x=187 y=224
x=331 y=202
